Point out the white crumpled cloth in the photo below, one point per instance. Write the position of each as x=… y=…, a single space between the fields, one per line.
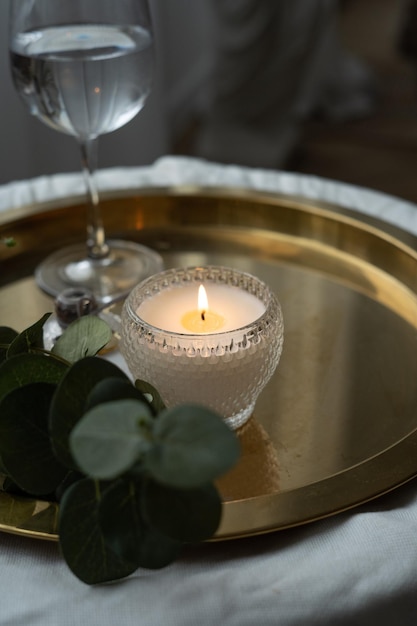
x=358 y=568
x=170 y=171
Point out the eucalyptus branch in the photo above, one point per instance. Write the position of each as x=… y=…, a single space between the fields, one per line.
x=51 y=355
x=135 y=479
x=39 y=350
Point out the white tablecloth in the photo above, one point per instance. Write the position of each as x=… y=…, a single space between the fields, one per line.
x=358 y=568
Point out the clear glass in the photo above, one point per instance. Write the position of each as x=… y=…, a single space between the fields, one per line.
x=225 y=371
x=84 y=67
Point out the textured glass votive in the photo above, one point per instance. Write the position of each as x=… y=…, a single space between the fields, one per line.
x=223 y=369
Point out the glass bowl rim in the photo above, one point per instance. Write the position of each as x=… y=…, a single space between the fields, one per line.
x=272 y=302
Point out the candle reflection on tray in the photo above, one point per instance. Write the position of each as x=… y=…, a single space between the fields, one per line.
x=257 y=472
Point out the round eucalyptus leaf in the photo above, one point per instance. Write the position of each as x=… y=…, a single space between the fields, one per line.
x=69 y=402
x=193 y=447
x=120 y=519
x=111 y=437
x=82 y=542
x=126 y=532
x=7 y=335
x=30 y=338
x=111 y=389
x=158 y=550
x=70 y=478
x=30 y=368
x=9 y=486
x=188 y=515
x=84 y=337
x=25 y=446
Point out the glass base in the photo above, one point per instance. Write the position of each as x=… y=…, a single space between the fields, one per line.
x=110 y=279
x=239 y=419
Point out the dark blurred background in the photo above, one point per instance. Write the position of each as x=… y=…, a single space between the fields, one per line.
x=257 y=83
x=377 y=149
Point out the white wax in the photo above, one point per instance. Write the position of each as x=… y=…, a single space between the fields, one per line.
x=166 y=309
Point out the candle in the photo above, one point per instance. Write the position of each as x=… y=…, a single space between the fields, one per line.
x=190 y=309
x=218 y=349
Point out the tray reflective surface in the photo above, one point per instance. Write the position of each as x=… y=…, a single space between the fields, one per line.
x=337 y=424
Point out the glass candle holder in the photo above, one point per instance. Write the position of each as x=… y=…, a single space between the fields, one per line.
x=227 y=361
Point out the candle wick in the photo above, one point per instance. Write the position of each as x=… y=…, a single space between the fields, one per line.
x=203 y=315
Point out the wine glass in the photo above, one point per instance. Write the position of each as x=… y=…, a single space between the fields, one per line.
x=84 y=67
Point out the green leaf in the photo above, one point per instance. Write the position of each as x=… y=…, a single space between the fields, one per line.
x=7 y=335
x=9 y=486
x=81 y=539
x=126 y=532
x=70 y=478
x=151 y=394
x=30 y=338
x=158 y=550
x=25 y=446
x=29 y=368
x=193 y=447
x=9 y=242
x=84 y=337
x=188 y=515
x=111 y=389
x=110 y=438
x=68 y=404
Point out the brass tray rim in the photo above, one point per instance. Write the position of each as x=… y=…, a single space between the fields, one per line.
x=313 y=490
x=297 y=201
x=316 y=489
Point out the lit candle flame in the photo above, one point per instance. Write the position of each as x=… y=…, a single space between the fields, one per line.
x=202 y=320
x=202 y=301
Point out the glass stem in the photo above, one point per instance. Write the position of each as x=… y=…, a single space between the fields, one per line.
x=97 y=247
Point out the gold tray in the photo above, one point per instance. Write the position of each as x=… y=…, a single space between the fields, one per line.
x=337 y=425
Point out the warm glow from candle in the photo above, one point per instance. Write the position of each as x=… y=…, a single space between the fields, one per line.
x=203 y=320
